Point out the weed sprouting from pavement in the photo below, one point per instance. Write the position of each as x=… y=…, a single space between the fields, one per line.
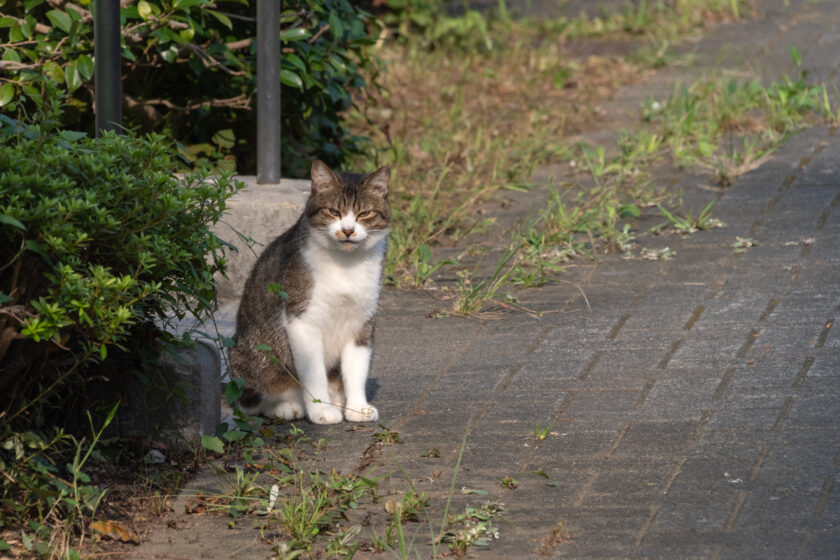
x=474 y=527
x=387 y=436
x=663 y=254
x=509 y=482
x=742 y=244
x=473 y=294
x=690 y=223
x=541 y=432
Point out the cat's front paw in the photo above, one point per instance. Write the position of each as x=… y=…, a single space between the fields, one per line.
x=320 y=413
x=365 y=413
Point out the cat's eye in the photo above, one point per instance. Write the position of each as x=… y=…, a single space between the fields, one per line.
x=334 y=212
x=364 y=214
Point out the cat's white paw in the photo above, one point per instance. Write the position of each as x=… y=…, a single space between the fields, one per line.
x=320 y=413
x=365 y=413
x=289 y=410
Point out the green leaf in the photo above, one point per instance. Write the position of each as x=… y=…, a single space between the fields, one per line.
x=187 y=4
x=37 y=248
x=222 y=18
x=144 y=9
x=72 y=135
x=187 y=34
x=335 y=25
x=233 y=390
x=5 y=299
x=295 y=61
x=85 y=65
x=54 y=70
x=277 y=289
x=12 y=55
x=29 y=4
x=226 y=341
x=629 y=210
x=60 y=19
x=10 y=220
x=294 y=34
x=4 y=545
x=72 y=77
x=706 y=149
x=234 y=435
x=291 y=79
x=262 y=347
x=213 y=444
x=796 y=56
x=539 y=472
x=224 y=138
x=7 y=93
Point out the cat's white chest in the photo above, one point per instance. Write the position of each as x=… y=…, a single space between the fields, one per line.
x=345 y=291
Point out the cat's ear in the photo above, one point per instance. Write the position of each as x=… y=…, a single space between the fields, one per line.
x=379 y=181
x=322 y=177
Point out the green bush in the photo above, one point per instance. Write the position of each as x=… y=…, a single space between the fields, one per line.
x=189 y=72
x=99 y=242
x=326 y=60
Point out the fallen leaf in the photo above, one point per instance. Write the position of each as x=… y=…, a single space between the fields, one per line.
x=392 y=505
x=115 y=531
x=196 y=506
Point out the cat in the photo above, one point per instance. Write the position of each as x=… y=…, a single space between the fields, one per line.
x=311 y=298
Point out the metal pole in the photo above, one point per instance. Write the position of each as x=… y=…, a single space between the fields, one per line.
x=268 y=91
x=106 y=53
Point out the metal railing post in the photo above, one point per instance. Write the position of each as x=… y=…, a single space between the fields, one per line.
x=107 y=78
x=268 y=91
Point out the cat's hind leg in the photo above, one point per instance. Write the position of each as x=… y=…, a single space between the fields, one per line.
x=289 y=406
x=336 y=388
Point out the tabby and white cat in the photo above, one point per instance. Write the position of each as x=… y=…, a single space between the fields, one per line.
x=320 y=329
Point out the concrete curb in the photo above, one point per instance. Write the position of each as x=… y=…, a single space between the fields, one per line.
x=155 y=408
x=259 y=213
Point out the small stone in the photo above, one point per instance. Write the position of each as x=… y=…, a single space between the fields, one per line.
x=154 y=456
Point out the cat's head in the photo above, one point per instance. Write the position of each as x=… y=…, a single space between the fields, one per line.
x=348 y=211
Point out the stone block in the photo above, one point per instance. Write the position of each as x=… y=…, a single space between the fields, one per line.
x=181 y=400
x=261 y=213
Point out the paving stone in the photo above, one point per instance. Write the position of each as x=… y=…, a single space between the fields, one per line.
x=774 y=373
x=593 y=410
x=743 y=419
x=678 y=399
x=573 y=441
x=628 y=487
x=822 y=545
x=790 y=503
x=653 y=437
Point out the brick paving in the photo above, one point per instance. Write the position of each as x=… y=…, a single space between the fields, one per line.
x=694 y=402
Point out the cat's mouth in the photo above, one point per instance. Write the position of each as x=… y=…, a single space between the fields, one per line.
x=347 y=244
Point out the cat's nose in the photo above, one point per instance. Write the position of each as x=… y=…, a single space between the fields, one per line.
x=347 y=231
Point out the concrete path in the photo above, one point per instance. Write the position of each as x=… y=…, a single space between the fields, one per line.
x=693 y=404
